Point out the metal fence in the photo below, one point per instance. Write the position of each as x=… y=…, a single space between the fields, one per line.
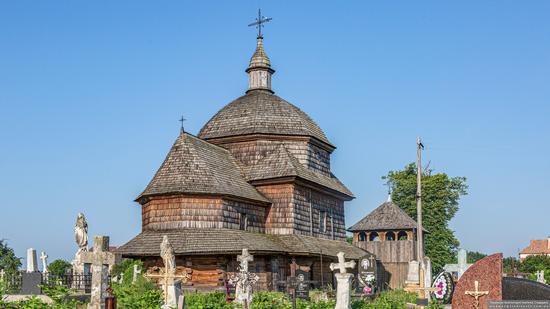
x=14 y=283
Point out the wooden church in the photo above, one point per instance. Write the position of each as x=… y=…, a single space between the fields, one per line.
x=257 y=176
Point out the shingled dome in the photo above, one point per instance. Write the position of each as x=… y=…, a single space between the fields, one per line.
x=261 y=112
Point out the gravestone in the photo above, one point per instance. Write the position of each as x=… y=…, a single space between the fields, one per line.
x=32 y=263
x=244 y=280
x=461 y=266
x=480 y=284
x=170 y=281
x=298 y=282
x=367 y=275
x=44 y=259
x=343 y=281
x=524 y=289
x=540 y=277
x=100 y=260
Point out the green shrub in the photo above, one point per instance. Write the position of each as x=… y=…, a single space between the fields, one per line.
x=139 y=294
x=214 y=300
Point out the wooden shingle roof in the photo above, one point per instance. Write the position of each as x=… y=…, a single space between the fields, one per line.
x=387 y=216
x=229 y=241
x=194 y=166
x=281 y=163
x=261 y=112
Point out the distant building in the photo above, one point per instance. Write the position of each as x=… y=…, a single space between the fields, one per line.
x=536 y=247
x=390 y=234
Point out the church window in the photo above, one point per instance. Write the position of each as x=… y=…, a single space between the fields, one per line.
x=362 y=236
x=390 y=236
x=323 y=222
x=374 y=237
x=402 y=235
x=243 y=221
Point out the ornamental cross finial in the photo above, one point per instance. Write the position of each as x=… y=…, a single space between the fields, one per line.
x=259 y=23
x=476 y=294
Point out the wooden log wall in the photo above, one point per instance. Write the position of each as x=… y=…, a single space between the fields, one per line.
x=394 y=257
x=309 y=204
x=280 y=217
x=186 y=211
x=307 y=153
x=209 y=272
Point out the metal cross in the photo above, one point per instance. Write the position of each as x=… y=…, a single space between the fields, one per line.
x=260 y=21
x=182 y=120
x=476 y=294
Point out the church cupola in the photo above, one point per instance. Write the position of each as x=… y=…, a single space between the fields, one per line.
x=259 y=70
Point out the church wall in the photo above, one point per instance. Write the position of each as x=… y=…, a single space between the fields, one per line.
x=168 y=212
x=209 y=272
x=310 y=155
x=255 y=215
x=310 y=205
x=280 y=214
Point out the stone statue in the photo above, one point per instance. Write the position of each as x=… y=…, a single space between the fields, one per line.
x=81 y=232
x=167 y=254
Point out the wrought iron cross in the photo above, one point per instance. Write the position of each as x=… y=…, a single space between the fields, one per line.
x=260 y=21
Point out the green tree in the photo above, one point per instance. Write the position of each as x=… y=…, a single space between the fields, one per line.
x=59 y=267
x=509 y=264
x=8 y=261
x=474 y=256
x=440 y=197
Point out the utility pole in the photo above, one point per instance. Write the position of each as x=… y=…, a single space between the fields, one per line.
x=419 y=230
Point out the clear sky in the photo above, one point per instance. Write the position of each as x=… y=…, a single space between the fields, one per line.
x=91 y=93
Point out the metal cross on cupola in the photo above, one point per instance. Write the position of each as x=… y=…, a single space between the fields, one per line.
x=260 y=21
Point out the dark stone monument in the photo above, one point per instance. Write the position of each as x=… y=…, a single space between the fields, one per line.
x=367 y=275
x=524 y=289
x=30 y=283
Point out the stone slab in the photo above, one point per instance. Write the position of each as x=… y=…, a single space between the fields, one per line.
x=488 y=272
x=30 y=283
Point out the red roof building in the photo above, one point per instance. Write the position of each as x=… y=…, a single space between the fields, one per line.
x=536 y=247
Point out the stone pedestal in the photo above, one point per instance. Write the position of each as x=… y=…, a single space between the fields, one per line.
x=343 y=289
x=173 y=292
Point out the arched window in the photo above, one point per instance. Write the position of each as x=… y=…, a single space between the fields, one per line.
x=390 y=236
x=402 y=235
x=374 y=237
x=362 y=236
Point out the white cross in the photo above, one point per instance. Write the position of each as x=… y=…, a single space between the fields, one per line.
x=342 y=264
x=462 y=265
x=244 y=258
x=43 y=257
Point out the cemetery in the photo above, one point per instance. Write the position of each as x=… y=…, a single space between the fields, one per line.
x=249 y=213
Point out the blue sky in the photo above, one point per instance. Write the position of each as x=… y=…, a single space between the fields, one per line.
x=91 y=93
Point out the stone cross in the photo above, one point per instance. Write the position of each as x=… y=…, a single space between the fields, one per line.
x=540 y=276
x=342 y=265
x=169 y=281
x=244 y=258
x=32 y=263
x=343 y=279
x=244 y=280
x=476 y=294
x=137 y=271
x=462 y=265
x=44 y=257
x=422 y=289
x=100 y=260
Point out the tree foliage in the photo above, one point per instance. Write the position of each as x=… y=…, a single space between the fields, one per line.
x=140 y=293
x=474 y=256
x=59 y=267
x=9 y=262
x=440 y=199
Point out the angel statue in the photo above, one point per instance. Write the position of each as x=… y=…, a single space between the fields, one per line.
x=167 y=254
x=81 y=232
